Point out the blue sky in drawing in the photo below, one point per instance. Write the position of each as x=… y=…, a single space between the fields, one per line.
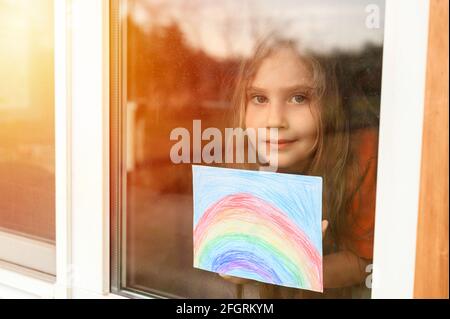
x=300 y=197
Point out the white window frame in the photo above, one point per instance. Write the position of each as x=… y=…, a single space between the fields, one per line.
x=82 y=155
x=400 y=147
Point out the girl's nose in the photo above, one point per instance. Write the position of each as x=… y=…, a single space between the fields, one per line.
x=276 y=117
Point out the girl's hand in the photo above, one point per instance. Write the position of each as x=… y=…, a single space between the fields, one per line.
x=243 y=281
x=324 y=227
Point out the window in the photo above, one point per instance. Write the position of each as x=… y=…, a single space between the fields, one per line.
x=151 y=251
x=27 y=148
x=182 y=65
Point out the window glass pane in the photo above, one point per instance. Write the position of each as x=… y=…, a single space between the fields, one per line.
x=27 y=187
x=310 y=69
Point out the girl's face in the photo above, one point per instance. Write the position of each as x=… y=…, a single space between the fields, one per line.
x=280 y=96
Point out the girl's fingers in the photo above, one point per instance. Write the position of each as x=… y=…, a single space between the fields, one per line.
x=324 y=227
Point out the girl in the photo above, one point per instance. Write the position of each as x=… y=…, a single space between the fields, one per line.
x=299 y=94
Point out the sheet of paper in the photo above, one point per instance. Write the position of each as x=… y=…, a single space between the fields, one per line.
x=259 y=225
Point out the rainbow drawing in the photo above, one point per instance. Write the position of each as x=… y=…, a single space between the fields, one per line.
x=259 y=225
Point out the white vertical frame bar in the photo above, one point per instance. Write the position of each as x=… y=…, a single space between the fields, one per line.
x=63 y=146
x=90 y=148
x=398 y=180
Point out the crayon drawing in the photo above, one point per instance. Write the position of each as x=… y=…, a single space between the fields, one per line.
x=259 y=225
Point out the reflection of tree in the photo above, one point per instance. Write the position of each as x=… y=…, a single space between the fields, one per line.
x=172 y=83
x=163 y=70
x=359 y=76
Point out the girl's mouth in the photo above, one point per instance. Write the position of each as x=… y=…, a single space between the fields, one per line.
x=280 y=144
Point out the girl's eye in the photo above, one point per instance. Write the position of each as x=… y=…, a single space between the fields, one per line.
x=259 y=99
x=298 y=99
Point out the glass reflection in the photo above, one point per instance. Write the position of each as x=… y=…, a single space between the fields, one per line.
x=26 y=119
x=183 y=62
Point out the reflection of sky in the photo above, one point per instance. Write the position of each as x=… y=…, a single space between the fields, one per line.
x=229 y=27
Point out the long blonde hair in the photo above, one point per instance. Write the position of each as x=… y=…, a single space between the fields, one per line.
x=332 y=158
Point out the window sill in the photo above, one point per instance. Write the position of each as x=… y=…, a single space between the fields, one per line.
x=20 y=282
x=17 y=282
